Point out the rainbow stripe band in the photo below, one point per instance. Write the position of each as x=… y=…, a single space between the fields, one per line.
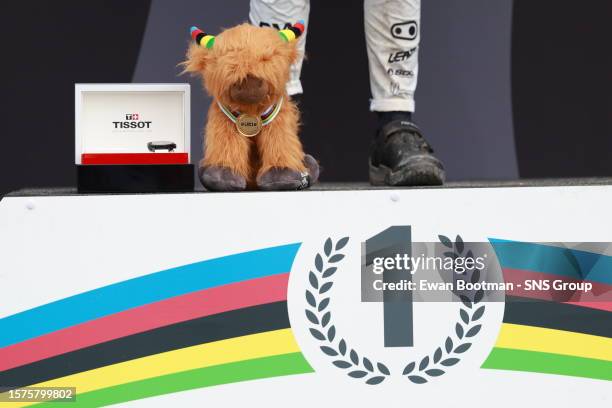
x=553 y=332
x=145 y=318
x=292 y=33
x=205 y=330
x=184 y=364
x=246 y=370
x=196 y=325
x=201 y=38
x=145 y=289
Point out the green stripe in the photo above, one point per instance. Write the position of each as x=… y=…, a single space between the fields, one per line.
x=284 y=364
x=521 y=360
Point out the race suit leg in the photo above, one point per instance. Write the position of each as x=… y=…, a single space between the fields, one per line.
x=392 y=29
x=280 y=14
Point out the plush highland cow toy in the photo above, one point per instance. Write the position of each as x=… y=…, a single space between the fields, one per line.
x=251 y=137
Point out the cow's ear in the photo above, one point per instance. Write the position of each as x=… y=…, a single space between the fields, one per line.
x=291 y=34
x=197 y=59
x=198 y=53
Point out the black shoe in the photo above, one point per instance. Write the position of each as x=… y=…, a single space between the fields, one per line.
x=402 y=157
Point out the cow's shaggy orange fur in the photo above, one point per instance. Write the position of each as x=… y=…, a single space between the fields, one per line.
x=255 y=51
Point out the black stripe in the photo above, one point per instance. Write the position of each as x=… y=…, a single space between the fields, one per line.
x=296 y=31
x=199 y=37
x=235 y=323
x=559 y=316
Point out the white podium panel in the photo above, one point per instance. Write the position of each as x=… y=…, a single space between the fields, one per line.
x=203 y=299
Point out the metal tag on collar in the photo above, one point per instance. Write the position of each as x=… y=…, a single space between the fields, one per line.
x=248 y=125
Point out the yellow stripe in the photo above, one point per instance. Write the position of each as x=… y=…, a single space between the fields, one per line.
x=205 y=355
x=514 y=336
x=289 y=34
x=205 y=40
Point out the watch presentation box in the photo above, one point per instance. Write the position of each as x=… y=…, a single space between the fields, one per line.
x=133 y=138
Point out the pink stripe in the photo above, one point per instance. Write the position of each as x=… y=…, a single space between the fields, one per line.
x=600 y=296
x=606 y=306
x=140 y=319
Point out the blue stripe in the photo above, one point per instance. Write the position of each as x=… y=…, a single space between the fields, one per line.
x=572 y=263
x=145 y=289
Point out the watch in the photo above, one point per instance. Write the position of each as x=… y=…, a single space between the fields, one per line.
x=161 y=145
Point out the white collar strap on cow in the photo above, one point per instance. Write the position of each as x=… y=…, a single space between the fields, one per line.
x=249 y=125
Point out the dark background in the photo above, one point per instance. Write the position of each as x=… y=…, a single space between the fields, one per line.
x=507 y=89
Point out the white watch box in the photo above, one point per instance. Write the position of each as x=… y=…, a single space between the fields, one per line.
x=119 y=119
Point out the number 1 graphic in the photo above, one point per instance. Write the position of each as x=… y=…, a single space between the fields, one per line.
x=397 y=304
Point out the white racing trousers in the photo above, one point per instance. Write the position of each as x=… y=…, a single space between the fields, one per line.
x=392 y=31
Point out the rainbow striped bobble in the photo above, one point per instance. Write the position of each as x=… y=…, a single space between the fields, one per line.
x=201 y=38
x=293 y=32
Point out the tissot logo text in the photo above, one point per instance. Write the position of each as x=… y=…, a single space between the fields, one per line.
x=132 y=121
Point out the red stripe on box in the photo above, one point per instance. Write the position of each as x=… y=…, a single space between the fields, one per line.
x=178 y=309
x=605 y=306
x=134 y=158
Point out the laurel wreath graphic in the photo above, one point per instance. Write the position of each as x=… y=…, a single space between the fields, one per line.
x=347 y=358
x=320 y=316
x=466 y=328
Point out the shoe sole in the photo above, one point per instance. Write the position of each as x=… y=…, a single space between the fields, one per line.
x=420 y=171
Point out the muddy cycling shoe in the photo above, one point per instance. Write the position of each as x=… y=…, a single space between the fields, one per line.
x=277 y=179
x=215 y=178
x=402 y=157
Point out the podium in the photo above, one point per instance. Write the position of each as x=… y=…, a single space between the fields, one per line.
x=201 y=298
